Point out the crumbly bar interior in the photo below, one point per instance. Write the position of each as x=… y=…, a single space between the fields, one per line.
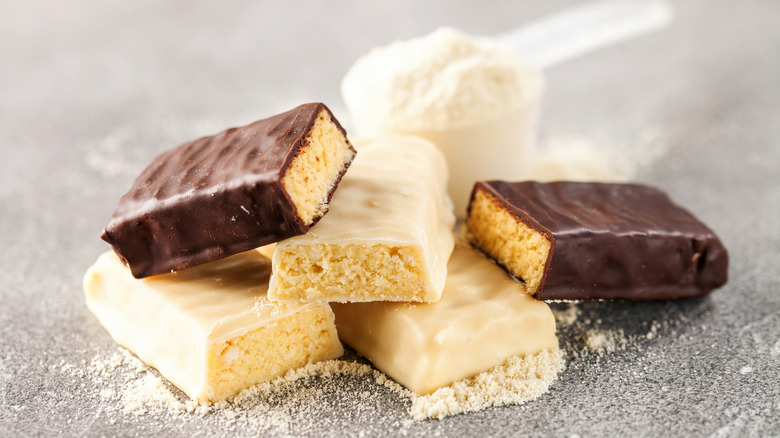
x=312 y=173
x=349 y=273
x=505 y=238
x=270 y=351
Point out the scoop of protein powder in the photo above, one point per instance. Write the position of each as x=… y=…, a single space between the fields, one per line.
x=470 y=96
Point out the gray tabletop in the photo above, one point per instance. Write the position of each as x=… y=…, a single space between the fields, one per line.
x=90 y=92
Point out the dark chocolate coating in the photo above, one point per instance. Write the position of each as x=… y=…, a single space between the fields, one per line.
x=213 y=197
x=615 y=241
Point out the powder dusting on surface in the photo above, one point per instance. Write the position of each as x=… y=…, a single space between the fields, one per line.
x=139 y=389
x=329 y=394
x=303 y=399
x=589 y=340
x=106 y=155
x=605 y=341
x=516 y=381
x=577 y=158
x=566 y=317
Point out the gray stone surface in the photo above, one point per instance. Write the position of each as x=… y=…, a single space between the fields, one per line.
x=91 y=91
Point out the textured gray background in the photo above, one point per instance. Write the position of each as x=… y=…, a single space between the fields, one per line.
x=91 y=91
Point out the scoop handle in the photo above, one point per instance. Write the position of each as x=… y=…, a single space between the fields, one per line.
x=576 y=31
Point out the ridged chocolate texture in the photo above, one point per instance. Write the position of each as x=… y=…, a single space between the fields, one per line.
x=212 y=197
x=615 y=241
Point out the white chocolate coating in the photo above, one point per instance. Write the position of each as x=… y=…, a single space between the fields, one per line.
x=483 y=318
x=184 y=323
x=393 y=196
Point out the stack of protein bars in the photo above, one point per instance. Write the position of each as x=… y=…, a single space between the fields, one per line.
x=187 y=290
x=237 y=256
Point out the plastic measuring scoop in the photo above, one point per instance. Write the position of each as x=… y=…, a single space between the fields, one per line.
x=582 y=29
x=501 y=145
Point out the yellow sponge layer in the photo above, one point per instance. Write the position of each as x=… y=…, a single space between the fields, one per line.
x=324 y=154
x=349 y=273
x=520 y=249
x=270 y=351
x=210 y=329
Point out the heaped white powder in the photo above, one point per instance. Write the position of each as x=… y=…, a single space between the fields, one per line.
x=285 y=404
x=516 y=381
x=444 y=80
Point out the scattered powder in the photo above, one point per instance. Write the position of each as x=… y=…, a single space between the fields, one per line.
x=327 y=368
x=116 y=155
x=303 y=400
x=517 y=381
x=576 y=158
x=5 y=377
x=138 y=391
x=263 y=306
x=107 y=155
x=147 y=391
x=567 y=317
x=746 y=369
x=653 y=332
x=286 y=405
x=579 y=162
x=763 y=335
x=582 y=337
x=605 y=341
